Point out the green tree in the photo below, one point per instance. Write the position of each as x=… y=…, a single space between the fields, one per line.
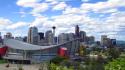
x=117 y=64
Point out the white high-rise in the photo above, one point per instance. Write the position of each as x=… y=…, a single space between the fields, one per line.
x=49 y=37
x=62 y=38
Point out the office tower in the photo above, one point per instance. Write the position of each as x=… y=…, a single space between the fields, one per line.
x=41 y=39
x=0 y=39
x=77 y=31
x=71 y=36
x=33 y=35
x=104 y=40
x=62 y=38
x=49 y=37
x=41 y=35
x=83 y=36
x=25 y=39
x=113 y=42
x=90 y=39
x=8 y=36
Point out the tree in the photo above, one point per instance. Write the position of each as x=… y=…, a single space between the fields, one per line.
x=113 y=53
x=82 y=50
x=117 y=64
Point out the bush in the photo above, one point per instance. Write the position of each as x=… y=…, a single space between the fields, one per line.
x=117 y=64
x=57 y=60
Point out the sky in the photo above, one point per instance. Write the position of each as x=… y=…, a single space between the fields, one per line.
x=96 y=17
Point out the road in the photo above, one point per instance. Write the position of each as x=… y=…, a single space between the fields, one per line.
x=16 y=66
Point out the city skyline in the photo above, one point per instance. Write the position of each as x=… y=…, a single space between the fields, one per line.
x=96 y=17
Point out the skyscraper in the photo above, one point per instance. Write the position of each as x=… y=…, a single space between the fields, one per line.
x=77 y=31
x=8 y=35
x=71 y=36
x=33 y=35
x=103 y=40
x=25 y=39
x=41 y=35
x=83 y=36
x=62 y=38
x=0 y=39
x=49 y=37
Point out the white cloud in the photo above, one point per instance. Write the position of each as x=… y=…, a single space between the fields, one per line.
x=40 y=7
x=103 y=6
x=60 y=6
x=85 y=0
x=17 y=25
x=72 y=16
x=39 y=21
x=35 y=5
x=70 y=10
x=27 y=3
x=3 y=23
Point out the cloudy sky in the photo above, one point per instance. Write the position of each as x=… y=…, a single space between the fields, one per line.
x=96 y=17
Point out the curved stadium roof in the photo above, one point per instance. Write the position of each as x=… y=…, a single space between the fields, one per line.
x=15 y=44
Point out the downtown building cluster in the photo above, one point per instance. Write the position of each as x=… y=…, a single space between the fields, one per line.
x=48 y=38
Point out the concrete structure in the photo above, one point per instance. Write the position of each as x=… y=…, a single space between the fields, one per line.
x=54 y=42
x=18 y=50
x=33 y=35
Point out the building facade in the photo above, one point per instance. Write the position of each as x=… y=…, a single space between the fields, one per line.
x=49 y=37
x=33 y=35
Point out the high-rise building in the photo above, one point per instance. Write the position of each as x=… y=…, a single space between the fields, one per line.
x=113 y=41
x=25 y=39
x=49 y=37
x=90 y=39
x=62 y=38
x=8 y=36
x=104 y=40
x=77 y=31
x=83 y=36
x=33 y=35
x=0 y=39
x=41 y=35
x=71 y=36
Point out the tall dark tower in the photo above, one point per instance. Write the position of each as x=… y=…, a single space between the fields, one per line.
x=54 y=30
x=77 y=31
x=54 y=34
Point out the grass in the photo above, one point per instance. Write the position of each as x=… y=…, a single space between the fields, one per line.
x=2 y=61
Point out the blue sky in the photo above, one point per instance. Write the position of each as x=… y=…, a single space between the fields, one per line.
x=96 y=17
